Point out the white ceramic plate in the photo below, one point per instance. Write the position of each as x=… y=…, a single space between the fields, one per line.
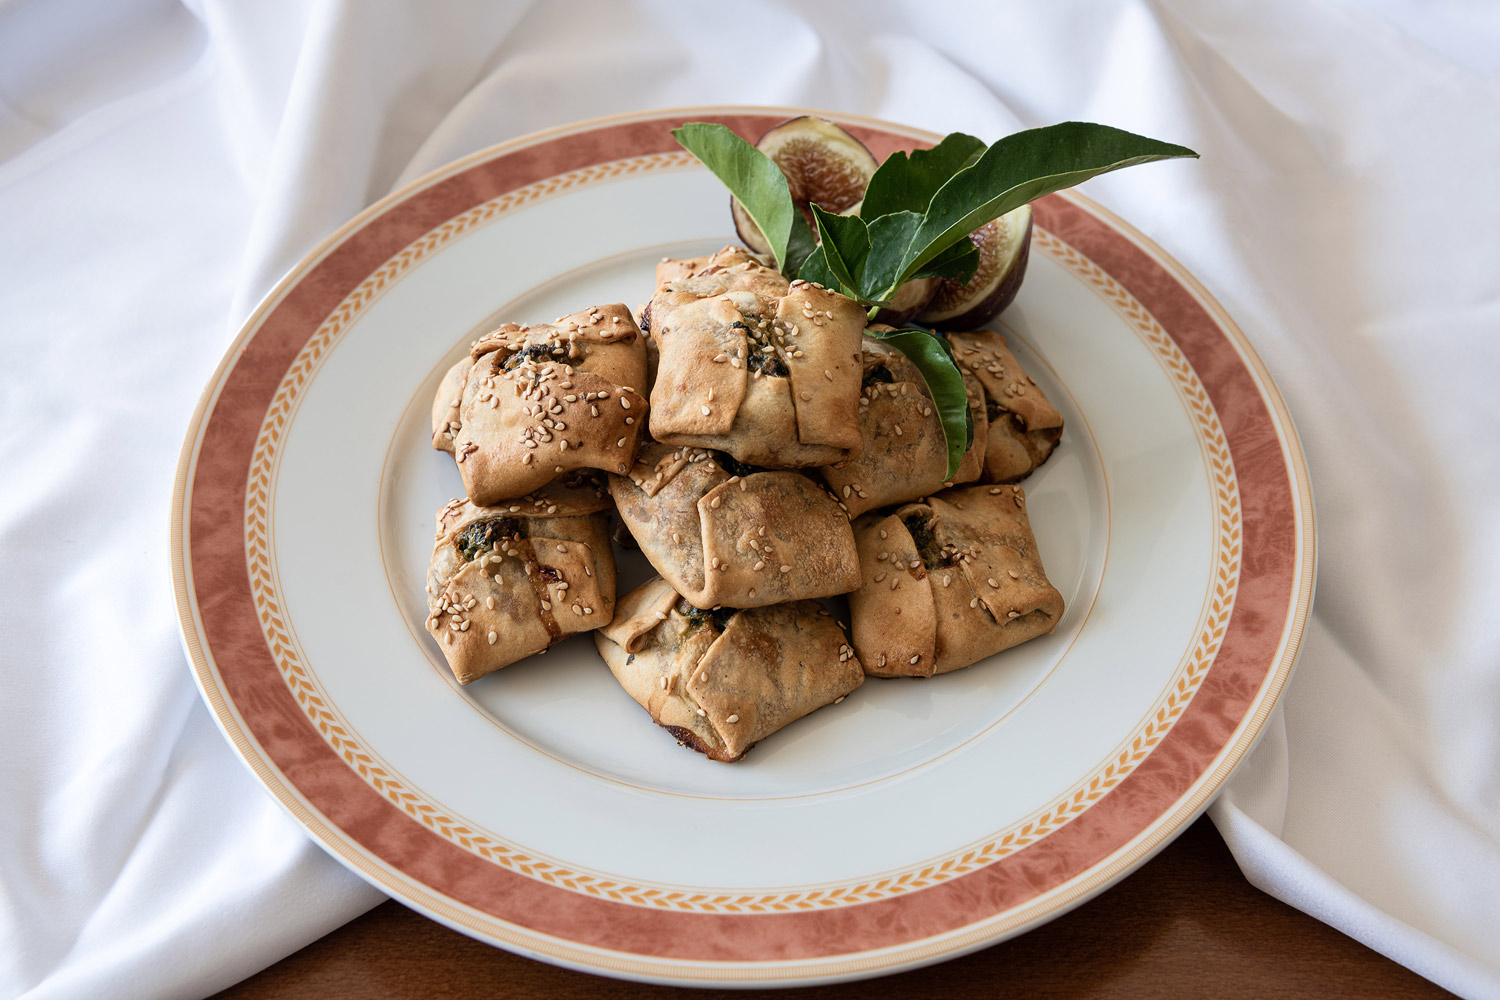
x=539 y=808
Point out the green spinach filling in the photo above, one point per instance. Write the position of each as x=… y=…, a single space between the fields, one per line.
x=929 y=550
x=531 y=352
x=734 y=466
x=481 y=536
x=697 y=618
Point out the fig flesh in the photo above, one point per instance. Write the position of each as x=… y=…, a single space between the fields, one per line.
x=1004 y=247
x=823 y=164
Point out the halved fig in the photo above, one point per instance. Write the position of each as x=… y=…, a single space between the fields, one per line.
x=824 y=165
x=1004 y=247
x=909 y=300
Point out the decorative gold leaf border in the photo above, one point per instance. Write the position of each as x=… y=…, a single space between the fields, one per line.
x=314 y=702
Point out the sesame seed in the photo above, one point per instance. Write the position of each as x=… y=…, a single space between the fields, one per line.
x=661 y=616
x=991 y=582
x=663 y=682
x=546 y=605
x=880 y=577
x=974 y=602
x=714 y=503
x=733 y=718
x=804 y=396
x=759 y=564
x=1013 y=574
x=577 y=610
x=914 y=563
x=840 y=698
x=914 y=659
x=701 y=712
x=624 y=403
x=785 y=568
x=880 y=662
x=620 y=443
x=828 y=374
x=1012 y=613
x=489 y=602
x=706 y=410
x=492 y=637
x=882 y=533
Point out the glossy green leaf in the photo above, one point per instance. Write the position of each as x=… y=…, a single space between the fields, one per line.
x=933 y=358
x=906 y=183
x=815 y=269
x=1021 y=168
x=958 y=262
x=890 y=235
x=846 y=244
x=752 y=178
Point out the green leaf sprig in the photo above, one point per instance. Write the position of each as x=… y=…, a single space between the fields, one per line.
x=917 y=214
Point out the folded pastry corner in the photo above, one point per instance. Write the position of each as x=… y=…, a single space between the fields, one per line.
x=721 y=680
x=905 y=453
x=532 y=402
x=753 y=365
x=510 y=580
x=1024 y=426
x=740 y=536
x=948 y=581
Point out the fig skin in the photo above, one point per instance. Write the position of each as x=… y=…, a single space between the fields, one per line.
x=834 y=191
x=911 y=298
x=971 y=313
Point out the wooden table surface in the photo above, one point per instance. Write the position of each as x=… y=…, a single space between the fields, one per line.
x=1185 y=925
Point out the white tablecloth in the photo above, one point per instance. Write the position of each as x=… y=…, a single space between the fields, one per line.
x=161 y=165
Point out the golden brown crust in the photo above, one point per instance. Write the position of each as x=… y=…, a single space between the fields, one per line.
x=721 y=688
x=736 y=541
x=752 y=365
x=547 y=572
x=536 y=401
x=974 y=583
x=904 y=453
x=1024 y=426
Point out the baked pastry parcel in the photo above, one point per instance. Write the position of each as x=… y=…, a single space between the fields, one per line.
x=1024 y=426
x=510 y=580
x=738 y=536
x=749 y=364
x=948 y=581
x=905 y=454
x=721 y=680
x=529 y=403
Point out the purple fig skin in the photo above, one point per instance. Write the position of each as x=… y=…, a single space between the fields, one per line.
x=1001 y=296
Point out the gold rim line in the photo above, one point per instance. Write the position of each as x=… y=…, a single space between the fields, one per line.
x=1250 y=728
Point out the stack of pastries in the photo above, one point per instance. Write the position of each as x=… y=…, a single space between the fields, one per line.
x=762 y=452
